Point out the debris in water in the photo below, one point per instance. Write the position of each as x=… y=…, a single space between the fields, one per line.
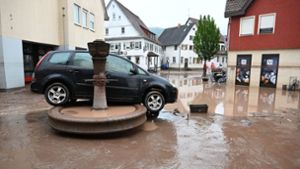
x=246 y=122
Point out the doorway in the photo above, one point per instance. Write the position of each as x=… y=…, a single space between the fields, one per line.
x=269 y=70
x=186 y=63
x=243 y=70
x=32 y=53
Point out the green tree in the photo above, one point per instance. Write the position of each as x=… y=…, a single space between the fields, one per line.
x=206 y=40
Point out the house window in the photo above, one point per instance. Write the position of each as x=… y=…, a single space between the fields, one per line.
x=174 y=59
x=266 y=23
x=114 y=16
x=151 y=47
x=131 y=45
x=106 y=31
x=175 y=47
x=191 y=37
x=92 y=21
x=76 y=14
x=122 y=30
x=138 y=45
x=84 y=18
x=181 y=60
x=137 y=60
x=222 y=48
x=247 y=25
x=184 y=47
x=191 y=47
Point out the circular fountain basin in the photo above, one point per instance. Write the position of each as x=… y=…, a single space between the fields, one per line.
x=85 y=120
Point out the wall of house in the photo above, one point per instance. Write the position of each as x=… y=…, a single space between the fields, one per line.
x=133 y=53
x=190 y=54
x=170 y=53
x=79 y=36
x=47 y=22
x=289 y=61
x=115 y=25
x=29 y=20
x=287 y=26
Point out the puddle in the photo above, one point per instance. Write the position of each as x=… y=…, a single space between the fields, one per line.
x=149 y=126
x=33 y=117
x=230 y=100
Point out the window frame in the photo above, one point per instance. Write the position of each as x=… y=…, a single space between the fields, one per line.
x=85 y=12
x=91 y=15
x=72 y=63
x=113 y=70
x=259 y=23
x=253 y=27
x=78 y=19
x=106 y=31
x=59 y=53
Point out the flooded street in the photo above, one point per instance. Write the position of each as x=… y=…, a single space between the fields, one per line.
x=245 y=128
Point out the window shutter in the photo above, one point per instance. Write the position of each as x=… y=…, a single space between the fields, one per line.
x=247 y=26
x=266 y=24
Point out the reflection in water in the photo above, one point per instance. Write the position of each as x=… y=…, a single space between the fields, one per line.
x=230 y=100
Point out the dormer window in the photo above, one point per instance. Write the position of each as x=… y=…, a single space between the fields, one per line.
x=266 y=24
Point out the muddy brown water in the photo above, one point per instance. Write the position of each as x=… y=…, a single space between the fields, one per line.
x=245 y=128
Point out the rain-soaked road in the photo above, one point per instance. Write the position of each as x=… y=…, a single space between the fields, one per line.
x=246 y=128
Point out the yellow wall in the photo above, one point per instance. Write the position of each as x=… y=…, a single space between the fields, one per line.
x=33 y=20
x=79 y=36
x=289 y=65
x=42 y=21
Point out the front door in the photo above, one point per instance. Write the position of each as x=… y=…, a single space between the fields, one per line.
x=269 y=70
x=81 y=70
x=243 y=70
x=186 y=62
x=123 y=85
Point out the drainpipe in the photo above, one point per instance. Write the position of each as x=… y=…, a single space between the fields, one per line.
x=63 y=25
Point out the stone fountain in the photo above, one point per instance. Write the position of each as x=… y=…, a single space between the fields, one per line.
x=99 y=118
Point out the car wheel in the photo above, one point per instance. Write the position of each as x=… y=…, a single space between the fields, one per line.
x=154 y=102
x=57 y=94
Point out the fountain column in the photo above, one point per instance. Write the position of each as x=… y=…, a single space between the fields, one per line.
x=99 y=51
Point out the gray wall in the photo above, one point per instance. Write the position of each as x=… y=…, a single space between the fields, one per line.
x=11 y=63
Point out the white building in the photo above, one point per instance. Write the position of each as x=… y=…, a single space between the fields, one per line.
x=130 y=37
x=178 y=47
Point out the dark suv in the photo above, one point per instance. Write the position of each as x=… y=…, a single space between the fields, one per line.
x=64 y=76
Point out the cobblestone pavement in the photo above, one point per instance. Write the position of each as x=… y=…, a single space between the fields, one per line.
x=245 y=128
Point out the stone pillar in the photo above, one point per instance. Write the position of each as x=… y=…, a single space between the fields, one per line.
x=99 y=51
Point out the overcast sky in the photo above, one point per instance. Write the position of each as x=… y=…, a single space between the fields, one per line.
x=169 y=13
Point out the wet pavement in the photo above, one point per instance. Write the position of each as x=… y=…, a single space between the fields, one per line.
x=245 y=128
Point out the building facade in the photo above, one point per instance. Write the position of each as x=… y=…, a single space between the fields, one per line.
x=130 y=37
x=29 y=29
x=178 y=48
x=264 y=43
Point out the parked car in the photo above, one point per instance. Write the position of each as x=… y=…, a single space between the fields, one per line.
x=64 y=76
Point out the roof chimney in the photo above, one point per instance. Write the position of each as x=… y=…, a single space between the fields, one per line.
x=178 y=25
